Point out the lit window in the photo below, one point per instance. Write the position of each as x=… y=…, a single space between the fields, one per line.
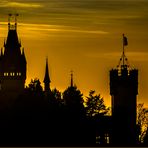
x=4 y=74
x=7 y=74
x=10 y=73
x=13 y=74
x=107 y=138
x=19 y=74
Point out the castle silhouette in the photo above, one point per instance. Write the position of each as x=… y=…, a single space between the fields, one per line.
x=118 y=129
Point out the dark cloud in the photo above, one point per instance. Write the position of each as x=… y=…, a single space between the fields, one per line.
x=78 y=13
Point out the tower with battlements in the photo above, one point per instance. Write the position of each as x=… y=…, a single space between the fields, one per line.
x=123 y=91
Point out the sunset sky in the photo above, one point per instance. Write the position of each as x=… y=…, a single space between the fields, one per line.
x=81 y=35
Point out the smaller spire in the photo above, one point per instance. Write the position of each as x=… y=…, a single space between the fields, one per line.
x=46 y=78
x=71 y=82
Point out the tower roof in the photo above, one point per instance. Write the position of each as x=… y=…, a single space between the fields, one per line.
x=12 y=45
x=46 y=78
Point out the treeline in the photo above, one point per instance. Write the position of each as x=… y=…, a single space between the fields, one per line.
x=52 y=118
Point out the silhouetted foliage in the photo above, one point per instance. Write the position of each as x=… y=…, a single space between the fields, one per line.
x=72 y=96
x=35 y=86
x=95 y=105
x=145 y=138
x=57 y=96
x=142 y=121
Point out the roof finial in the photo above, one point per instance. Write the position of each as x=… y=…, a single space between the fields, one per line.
x=16 y=15
x=71 y=78
x=9 y=17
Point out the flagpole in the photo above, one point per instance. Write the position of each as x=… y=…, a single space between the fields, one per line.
x=123 y=50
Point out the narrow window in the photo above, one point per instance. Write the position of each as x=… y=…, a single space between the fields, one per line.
x=107 y=138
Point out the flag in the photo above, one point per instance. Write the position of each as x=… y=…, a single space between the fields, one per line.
x=125 y=43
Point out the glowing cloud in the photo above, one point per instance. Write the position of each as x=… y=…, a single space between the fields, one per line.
x=21 y=5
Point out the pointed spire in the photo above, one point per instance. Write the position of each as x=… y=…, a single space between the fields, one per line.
x=71 y=82
x=46 y=78
x=12 y=44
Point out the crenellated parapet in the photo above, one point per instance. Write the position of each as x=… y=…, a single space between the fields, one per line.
x=125 y=78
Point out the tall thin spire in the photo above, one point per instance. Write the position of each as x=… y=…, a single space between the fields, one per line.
x=47 y=78
x=71 y=82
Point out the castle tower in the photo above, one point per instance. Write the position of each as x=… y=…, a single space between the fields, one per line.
x=123 y=91
x=47 y=79
x=12 y=64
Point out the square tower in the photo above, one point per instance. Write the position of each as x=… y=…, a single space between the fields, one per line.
x=123 y=91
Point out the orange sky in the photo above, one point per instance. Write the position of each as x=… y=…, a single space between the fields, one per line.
x=81 y=35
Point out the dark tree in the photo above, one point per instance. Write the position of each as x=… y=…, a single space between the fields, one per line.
x=31 y=104
x=56 y=94
x=95 y=105
x=35 y=85
x=73 y=97
x=74 y=116
x=142 y=122
x=73 y=100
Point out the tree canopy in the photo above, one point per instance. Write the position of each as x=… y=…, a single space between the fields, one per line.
x=95 y=105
